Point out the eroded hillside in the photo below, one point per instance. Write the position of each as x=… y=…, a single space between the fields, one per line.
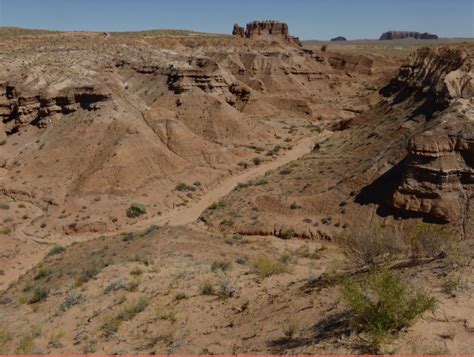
x=147 y=180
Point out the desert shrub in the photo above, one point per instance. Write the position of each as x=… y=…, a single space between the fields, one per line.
x=71 y=300
x=133 y=308
x=285 y=172
x=5 y=230
x=287 y=257
x=243 y=164
x=382 y=304
x=127 y=237
x=220 y=265
x=288 y=233
x=136 y=210
x=454 y=284
x=295 y=205
x=56 y=250
x=257 y=161
x=144 y=259
x=42 y=273
x=260 y=182
x=26 y=345
x=225 y=290
x=245 y=305
x=305 y=252
x=5 y=338
x=180 y=295
x=88 y=273
x=136 y=271
x=206 y=288
x=40 y=293
x=241 y=185
x=265 y=267
x=217 y=205
x=290 y=328
x=429 y=240
x=227 y=223
x=166 y=314
x=110 y=327
x=371 y=245
x=184 y=187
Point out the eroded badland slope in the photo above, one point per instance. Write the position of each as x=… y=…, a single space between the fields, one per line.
x=227 y=144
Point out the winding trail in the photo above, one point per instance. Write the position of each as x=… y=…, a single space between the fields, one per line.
x=188 y=215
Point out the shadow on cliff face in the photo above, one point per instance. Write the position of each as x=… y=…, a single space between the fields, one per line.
x=381 y=190
x=426 y=104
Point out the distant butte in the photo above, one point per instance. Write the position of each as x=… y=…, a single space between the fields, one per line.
x=267 y=29
x=398 y=35
x=338 y=38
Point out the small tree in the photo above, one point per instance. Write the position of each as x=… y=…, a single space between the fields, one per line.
x=372 y=245
x=429 y=240
x=382 y=304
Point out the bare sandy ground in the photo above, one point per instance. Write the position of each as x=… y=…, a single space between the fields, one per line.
x=32 y=250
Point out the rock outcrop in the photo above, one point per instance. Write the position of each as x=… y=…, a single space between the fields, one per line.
x=268 y=29
x=439 y=175
x=17 y=109
x=338 y=38
x=425 y=78
x=399 y=35
x=439 y=168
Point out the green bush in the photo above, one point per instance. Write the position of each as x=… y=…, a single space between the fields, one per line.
x=266 y=267
x=217 y=205
x=184 y=187
x=382 y=304
x=220 y=265
x=206 y=288
x=135 y=210
x=56 y=250
x=288 y=234
x=39 y=294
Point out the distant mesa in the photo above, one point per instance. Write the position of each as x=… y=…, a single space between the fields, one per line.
x=399 y=35
x=339 y=38
x=267 y=29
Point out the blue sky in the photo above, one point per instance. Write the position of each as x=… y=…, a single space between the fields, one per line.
x=309 y=19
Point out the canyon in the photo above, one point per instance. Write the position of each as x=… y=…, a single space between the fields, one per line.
x=191 y=193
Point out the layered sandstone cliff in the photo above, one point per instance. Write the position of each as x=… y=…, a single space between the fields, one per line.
x=439 y=171
x=18 y=108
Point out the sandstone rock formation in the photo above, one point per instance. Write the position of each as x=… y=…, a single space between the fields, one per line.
x=18 y=108
x=338 y=38
x=399 y=35
x=439 y=171
x=439 y=175
x=238 y=31
x=268 y=29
